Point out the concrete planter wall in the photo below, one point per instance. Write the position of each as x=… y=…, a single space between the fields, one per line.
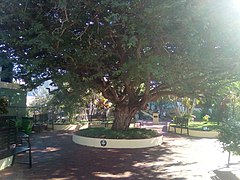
x=117 y=143
x=70 y=127
x=6 y=162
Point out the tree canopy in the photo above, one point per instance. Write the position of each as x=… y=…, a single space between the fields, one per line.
x=132 y=51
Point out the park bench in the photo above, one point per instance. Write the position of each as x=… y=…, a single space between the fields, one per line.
x=107 y=124
x=13 y=143
x=40 y=122
x=179 y=122
x=37 y=128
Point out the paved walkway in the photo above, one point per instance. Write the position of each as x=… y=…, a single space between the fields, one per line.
x=55 y=156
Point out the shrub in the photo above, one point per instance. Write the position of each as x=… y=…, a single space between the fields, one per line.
x=132 y=133
x=206 y=118
x=229 y=135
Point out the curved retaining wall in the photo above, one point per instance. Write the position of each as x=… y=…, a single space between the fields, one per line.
x=117 y=143
x=203 y=134
x=195 y=133
x=70 y=127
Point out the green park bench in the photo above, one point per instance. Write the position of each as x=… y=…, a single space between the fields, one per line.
x=13 y=143
x=179 y=122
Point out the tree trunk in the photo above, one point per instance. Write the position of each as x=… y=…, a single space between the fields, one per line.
x=122 y=117
x=229 y=155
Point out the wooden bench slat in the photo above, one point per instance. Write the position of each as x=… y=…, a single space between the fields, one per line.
x=19 y=150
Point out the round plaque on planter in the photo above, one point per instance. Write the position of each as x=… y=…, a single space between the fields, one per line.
x=103 y=142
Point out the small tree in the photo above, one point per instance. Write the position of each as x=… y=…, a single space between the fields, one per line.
x=184 y=106
x=229 y=134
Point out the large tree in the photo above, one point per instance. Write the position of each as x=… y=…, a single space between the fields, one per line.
x=132 y=51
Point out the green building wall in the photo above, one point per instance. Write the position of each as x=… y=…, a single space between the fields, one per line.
x=16 y=98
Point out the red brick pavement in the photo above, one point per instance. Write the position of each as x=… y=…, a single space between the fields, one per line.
x=55 y=156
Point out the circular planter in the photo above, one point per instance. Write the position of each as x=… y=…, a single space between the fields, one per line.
x=117 y=143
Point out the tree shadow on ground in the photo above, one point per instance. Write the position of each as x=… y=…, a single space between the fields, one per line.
x=228 y=172
x=56 y=156
x=224 y=175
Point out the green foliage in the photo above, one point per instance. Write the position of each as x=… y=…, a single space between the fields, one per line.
x=230 y=130
x=216 y=102
x=27 y=124
x=132 y=133
x=195 y=125
x=230 y=135
x=3 y=106
x=206 y=118
x=184 y=106
x=24 y=125
x=6 y=74
x=18 y=123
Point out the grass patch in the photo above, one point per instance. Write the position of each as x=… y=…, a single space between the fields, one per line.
x=195 y=125
x=132 y=133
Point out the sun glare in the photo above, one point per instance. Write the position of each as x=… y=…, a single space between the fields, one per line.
x=235 y=4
